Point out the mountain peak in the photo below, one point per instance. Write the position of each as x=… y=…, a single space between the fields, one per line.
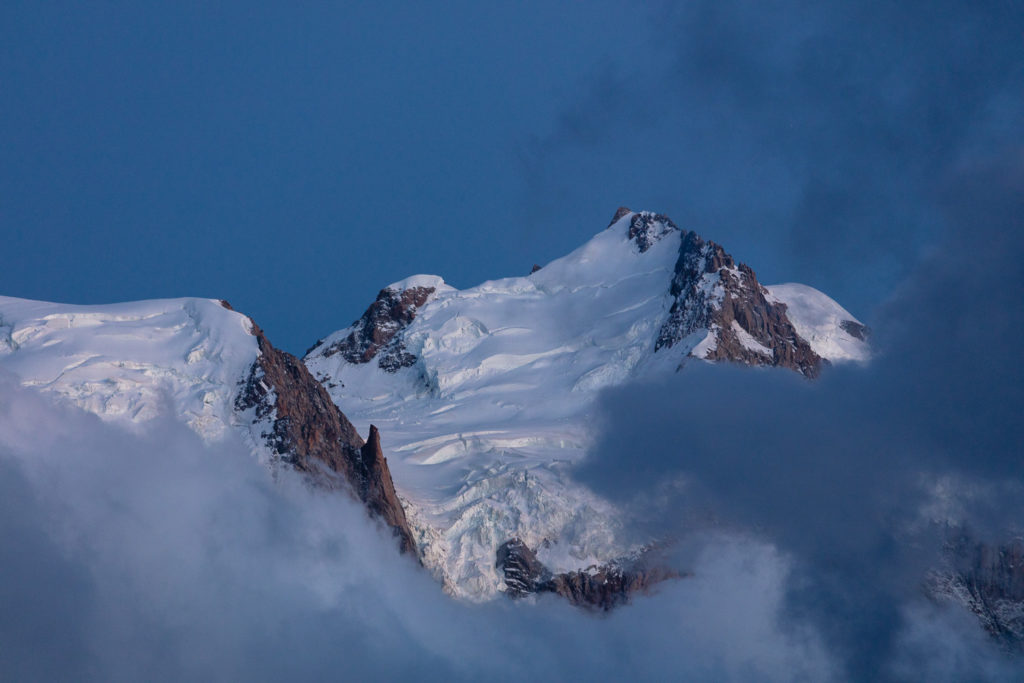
x=434 y=282
x=619 y=213
x=647 y=227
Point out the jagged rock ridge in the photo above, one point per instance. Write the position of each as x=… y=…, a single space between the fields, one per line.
x=308 y=431
x=646 y=228
x=375 y=334
x=711 y=292
x=603 y=587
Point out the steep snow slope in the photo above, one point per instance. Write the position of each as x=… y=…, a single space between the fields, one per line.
x=128 y=362
x=829 y=328
x=493 y=393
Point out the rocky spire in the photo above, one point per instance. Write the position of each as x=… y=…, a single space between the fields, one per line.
x=377 y=490
x=619 y=213
x=306 y=429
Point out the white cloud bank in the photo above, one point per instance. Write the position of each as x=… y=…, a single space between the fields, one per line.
x=159 y=558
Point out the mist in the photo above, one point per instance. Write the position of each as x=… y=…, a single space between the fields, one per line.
x=154 y=556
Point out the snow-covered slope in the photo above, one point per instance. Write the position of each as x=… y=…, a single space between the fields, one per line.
x=130 y=362
x=199 y=361
x=828 y=327
x=484 y=395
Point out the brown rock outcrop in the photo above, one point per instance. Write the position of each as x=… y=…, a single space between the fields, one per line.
x=522 y=570
x=711 y=292
x=306 y=429
x=619 y=213
x=646 y=228
x=374 y=335
x=601 y=587
x=377 y=490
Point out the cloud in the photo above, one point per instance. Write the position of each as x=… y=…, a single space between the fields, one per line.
x=856 y=475
x=154 y=556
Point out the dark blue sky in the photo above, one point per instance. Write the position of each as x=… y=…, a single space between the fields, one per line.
x=295 y=160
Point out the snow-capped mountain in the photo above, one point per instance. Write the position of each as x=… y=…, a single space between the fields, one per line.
x=125 y=361
x=484 y=395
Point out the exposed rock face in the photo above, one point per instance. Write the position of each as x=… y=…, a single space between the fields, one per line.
x=646 y=228
x=523 y=571
x=711 y=292
x=599 y=588
x=306 y=429
x=7 y=343
x=375 y=334
x=619 y=213
x=988 y=580
x=377 y=490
